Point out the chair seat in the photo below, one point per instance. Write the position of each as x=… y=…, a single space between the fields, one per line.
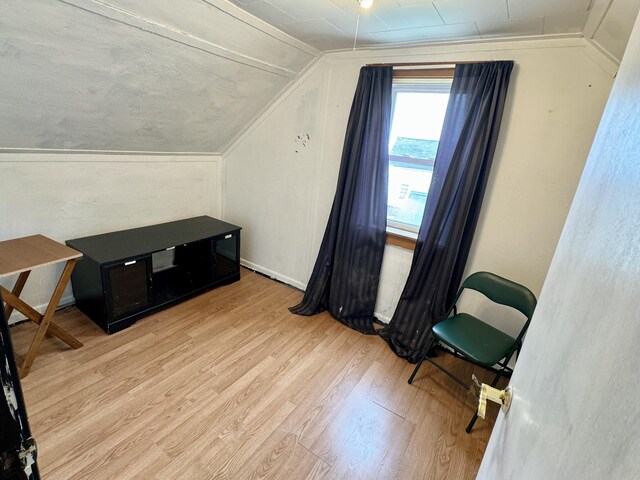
x=479 y=341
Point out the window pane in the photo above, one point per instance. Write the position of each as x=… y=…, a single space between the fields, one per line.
x=408 y=189
x=418 y=115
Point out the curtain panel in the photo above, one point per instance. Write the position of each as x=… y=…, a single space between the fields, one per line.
x=461 y=171
x=346 y=274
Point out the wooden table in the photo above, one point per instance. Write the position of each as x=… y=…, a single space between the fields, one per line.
x=20 y=256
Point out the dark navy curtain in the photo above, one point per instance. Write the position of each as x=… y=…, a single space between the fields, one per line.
x=461 y=170
x=347 y=271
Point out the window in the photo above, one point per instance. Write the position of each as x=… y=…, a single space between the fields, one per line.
x=418 y=109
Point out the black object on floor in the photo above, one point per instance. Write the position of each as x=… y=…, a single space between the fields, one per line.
x=129 y=274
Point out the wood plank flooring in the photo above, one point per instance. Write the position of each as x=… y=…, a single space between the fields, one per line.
x=230 y=385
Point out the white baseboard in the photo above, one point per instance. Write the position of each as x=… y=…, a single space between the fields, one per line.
x=290 y=281
x=65 y=301
x=272 y=274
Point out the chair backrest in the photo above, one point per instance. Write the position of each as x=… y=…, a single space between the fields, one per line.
x=502 y=291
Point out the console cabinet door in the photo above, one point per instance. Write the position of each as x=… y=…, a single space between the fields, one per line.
x=127 y=287
x=226 y=253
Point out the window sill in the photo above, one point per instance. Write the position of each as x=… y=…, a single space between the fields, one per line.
x=401 y=238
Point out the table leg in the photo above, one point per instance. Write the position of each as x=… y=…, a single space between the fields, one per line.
x=46 y=318
x=16 y=291
x=33 y=315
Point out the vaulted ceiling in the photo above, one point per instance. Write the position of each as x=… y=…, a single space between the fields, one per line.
x=190 y=75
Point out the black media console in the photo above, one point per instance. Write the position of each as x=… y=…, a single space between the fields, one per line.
x=126 y=275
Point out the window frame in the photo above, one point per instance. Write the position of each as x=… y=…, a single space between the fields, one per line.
x=398 y=233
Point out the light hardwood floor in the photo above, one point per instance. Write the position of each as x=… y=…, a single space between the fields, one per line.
x=231 y=385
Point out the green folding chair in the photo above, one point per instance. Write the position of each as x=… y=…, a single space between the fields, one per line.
x=475 y=340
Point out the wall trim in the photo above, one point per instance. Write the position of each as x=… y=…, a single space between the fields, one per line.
x=173 y=34
x=273 y=274
x=601 y=57
x=291 y=282
x=222 y=169
x=83 y=156
x=266 y=28
x=451 y=43
x=382 y=318
x=599 y=10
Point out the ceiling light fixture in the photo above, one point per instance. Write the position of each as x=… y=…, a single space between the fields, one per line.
x=365 y=3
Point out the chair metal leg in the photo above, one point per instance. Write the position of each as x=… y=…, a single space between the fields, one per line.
x=422 y=357
x=472 y=423
x=415 y=370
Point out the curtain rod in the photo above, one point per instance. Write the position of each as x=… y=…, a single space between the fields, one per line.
x=418 y=64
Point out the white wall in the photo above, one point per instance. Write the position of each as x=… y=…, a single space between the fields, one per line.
x=280 y=189
x=68 y=195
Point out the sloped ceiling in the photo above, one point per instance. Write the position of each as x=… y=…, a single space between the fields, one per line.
x=128 y=75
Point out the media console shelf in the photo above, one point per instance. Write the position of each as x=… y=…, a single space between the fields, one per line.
x=129 y=274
